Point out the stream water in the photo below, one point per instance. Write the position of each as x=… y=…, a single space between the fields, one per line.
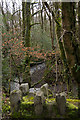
x=15 y=86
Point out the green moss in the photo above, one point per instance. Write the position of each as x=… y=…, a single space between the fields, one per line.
x=50 y=100
x=71 y=106
x=50 y=96
x=28 y=98
x=73 y=100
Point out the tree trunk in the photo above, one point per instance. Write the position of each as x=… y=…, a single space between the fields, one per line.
x=52 y=32
x=79 y=21
x=71 y=48
x=23 y=15
x=61 y=47
x=45 y=21
x=33 y=16
x=26 y=77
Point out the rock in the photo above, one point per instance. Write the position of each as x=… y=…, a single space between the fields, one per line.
x=15 y=100
x=39 y=100
x=38 y=109
x=50 y=106
x=39 y=97
x=24 y=88
x=44 y=89
x=33 y=91
x=61 y=102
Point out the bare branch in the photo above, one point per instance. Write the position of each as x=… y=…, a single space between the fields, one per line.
x=46 y=4
x=16 y=12
x=34 y=24
x=35 y=13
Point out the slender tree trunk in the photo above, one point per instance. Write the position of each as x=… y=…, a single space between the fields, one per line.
x=19 y=18
x=27 y=77
x=45 y=21
x=42 y=27
x=42 y=19
x=23 y=15
x=52 y=32
x=32 y=14
x=54 y=35
x=13 y=4
x=79 y=21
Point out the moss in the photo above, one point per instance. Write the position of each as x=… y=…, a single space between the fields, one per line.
x=50 y=100
x=50 y=96
x=14 y=91
x=71 y=106
x=28 y=100
x=73 y=100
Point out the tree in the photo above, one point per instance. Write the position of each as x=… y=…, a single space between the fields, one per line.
x=79 y=20
x=60 y=43
x=23 y=16
x=26 y=76
x=71 y=47
x=50 y=20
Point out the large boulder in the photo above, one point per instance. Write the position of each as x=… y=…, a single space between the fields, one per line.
x=15 y=100
x=24 y=88
x=61 y=102
x=44 y=89
x=39 y=100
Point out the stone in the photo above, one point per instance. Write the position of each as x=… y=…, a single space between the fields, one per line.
x=33 y=91
x=44 y=89
x=38 y=109
x=39 y=100
x=61 y=102
x=39 y=97
x=15 y=100
x=24 y=88
x=50 y=107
